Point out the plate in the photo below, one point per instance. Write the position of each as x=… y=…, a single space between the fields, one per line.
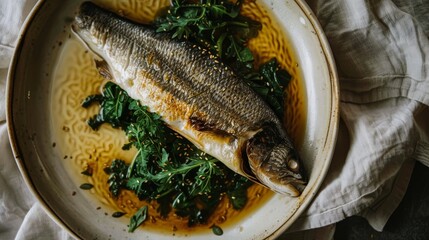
x=40 y=150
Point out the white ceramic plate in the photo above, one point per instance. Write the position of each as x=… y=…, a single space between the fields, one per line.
x=29 y=117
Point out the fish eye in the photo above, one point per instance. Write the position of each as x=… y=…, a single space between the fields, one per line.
x=293 y=165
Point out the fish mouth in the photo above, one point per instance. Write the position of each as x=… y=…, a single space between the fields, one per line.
x=288 y=186
x=294 y=188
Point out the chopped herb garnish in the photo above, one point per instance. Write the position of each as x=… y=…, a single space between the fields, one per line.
x=137 y=219
x=216 y=230
x=118 y=214
x=86 y=186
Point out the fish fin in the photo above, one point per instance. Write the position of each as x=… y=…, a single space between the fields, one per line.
x=103 y=69
x=200 y=124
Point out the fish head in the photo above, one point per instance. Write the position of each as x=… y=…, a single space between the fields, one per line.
x=281 y=171
x=275 y=162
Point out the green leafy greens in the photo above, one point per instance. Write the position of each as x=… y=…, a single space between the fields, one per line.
x=216 y=24
x=167 y=168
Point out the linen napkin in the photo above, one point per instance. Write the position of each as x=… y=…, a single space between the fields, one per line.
x=382 y=54
x=381 y=49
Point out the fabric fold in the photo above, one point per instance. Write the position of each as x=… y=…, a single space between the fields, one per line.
x=381 y=51
x=38 y=225
x=382 y=59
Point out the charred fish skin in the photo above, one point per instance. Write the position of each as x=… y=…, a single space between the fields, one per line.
x=195 y=94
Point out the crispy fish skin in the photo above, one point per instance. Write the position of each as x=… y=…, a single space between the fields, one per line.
x=196 y=95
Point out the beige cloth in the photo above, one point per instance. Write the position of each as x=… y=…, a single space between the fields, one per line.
x=382 y=53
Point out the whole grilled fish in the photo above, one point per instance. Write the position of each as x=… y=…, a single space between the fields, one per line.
x=196 y=96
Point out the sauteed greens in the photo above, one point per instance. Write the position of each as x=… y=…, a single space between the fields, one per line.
x=167 y=168
x=216 y=24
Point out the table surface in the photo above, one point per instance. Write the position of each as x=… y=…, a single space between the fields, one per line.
x=409 y=221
